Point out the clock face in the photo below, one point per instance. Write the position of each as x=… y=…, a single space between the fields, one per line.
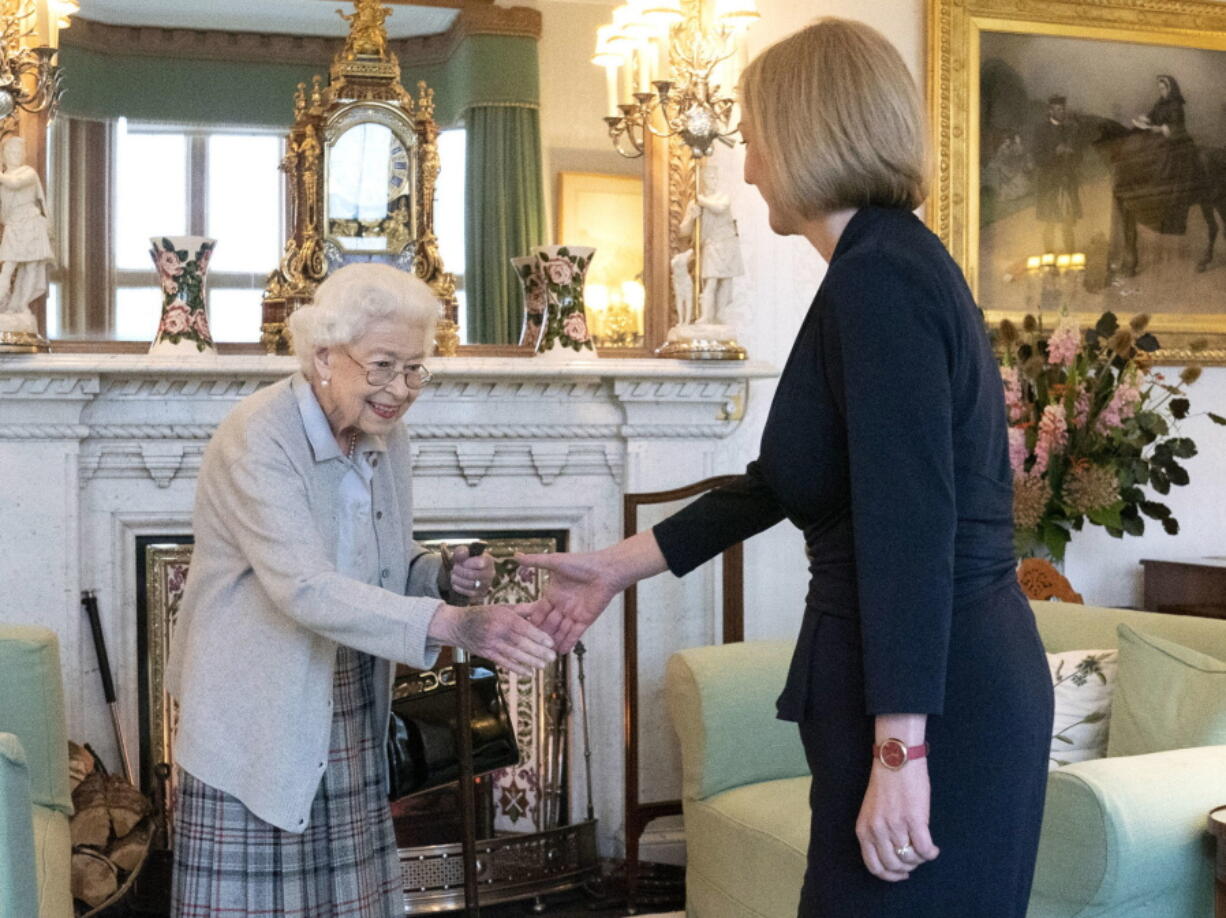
x=893 y=754
x=398 y=173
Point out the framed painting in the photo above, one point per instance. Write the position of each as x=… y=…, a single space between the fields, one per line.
x=1081 y=160
x=606 y=212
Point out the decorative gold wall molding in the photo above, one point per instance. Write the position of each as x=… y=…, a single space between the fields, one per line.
x=314 y=50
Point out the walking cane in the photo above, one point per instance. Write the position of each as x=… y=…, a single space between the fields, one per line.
x=464 y=745
x=90 y=603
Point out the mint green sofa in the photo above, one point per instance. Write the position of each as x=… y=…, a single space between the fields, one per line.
x=1122 y=837
x=35 y=799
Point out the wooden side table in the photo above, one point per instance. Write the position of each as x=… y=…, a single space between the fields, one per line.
x=1194 y=587
x=1217 y=827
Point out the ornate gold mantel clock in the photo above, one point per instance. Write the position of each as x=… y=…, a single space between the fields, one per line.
x=361 y=163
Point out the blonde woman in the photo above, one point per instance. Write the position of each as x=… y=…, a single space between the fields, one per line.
x=305 y=586
x=918 y=681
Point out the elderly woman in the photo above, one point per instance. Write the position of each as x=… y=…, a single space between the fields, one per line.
x=305 y=586
x=918 y=681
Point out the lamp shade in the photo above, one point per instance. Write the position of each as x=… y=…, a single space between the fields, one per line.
x=660 y=13
x=629 y=22
x=611 y=47
x=736 y=14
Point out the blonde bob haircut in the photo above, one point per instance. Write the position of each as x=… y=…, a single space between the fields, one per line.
x=837 y=115
x=354 y=297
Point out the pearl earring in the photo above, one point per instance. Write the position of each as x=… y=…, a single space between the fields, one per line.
x=324 y=382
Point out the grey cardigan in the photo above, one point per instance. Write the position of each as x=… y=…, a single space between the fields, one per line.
x=254 y=644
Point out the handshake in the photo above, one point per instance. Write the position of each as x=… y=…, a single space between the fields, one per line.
x=522 y=637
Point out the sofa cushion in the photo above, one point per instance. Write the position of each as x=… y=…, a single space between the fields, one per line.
x=1167 y=697
x=1082 y=681
x=53 y=859
x=758 y=831
x=721 y=701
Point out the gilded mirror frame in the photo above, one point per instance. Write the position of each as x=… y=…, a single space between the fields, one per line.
x=954 y=31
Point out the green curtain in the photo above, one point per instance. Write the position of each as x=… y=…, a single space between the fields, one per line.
x=504 y=215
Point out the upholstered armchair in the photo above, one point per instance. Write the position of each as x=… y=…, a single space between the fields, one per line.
x=35 y=800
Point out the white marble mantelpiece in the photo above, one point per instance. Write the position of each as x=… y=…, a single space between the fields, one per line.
x=97 y=450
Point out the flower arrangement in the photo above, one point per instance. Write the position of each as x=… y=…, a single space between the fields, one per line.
x=1091 y=427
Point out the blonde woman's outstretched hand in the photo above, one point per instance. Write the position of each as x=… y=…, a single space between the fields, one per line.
x=580 y=587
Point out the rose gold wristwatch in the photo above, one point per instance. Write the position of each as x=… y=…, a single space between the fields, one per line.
x=894 y=753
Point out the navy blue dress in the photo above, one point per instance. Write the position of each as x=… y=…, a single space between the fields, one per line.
x=886 y=446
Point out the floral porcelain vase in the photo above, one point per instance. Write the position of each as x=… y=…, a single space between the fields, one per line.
x=535 y=301
x=181 y=263
x=561 y=269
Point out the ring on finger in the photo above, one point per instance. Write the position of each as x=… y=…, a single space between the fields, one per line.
x=904 y=850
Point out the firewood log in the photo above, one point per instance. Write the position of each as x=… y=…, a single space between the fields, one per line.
x=91 y=821
x=127 y=805
x=126 y=853
x=94 y=879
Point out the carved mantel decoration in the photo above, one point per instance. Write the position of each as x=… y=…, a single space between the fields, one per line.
x=363 y=91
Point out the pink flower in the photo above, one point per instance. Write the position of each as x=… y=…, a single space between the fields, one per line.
x=534 y=297
x=1017 y=449
x=200 y=324
x=169 y=286
x=1124 y=403
x=1012 y=379
x=1053 y=435
x=176 y=320
x=1081 y=407
x=168 y=264
x=575 y=327
x=1064 y=343
x=559 y=270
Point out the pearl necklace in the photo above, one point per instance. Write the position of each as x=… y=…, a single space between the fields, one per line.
x=353 y=444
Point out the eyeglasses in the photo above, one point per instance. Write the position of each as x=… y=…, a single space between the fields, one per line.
x=382 y=372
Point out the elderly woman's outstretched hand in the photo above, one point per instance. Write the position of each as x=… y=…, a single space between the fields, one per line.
x=502 y=633
x=580 y=588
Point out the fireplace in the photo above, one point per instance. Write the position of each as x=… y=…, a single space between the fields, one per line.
x=102 y=450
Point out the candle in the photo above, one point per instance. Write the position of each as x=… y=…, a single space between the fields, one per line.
x=1079 y=259
x=1048 y=259
x=610 y=73
x=1032 y=263
x=644 y=59
x=1063 y=261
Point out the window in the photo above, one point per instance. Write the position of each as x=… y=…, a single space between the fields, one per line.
x=222 y=184
x=449 y=212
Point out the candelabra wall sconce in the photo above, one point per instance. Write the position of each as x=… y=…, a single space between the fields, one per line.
x=1054 y=281
x=29 y=78
x=670 y=68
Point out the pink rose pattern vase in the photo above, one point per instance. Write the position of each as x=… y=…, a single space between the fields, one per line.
x=563 y=269
x=182 y=263
x=535 y=298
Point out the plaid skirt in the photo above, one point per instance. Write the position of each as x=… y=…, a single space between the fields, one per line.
x=229 y=863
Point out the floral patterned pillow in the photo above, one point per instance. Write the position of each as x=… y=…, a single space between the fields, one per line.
x=1083 y=681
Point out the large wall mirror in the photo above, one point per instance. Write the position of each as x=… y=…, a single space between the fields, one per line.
x=165 y=121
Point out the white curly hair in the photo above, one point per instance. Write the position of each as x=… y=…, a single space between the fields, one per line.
x=353 y=297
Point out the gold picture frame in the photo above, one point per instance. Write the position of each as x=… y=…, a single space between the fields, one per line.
x=1092 y=48
x=605 y=211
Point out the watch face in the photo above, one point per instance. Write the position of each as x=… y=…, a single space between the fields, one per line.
x=893 y=754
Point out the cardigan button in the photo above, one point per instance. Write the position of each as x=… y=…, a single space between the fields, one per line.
x=385 y=573
x=378 y=514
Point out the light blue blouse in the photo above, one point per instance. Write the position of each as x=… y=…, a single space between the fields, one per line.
x=357 y=546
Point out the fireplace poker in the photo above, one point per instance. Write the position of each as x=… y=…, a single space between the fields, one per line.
x=464 y=745
x=90 y=603
x=580 y=650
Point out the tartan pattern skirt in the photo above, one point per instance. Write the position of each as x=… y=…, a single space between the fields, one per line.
x=229 y=863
